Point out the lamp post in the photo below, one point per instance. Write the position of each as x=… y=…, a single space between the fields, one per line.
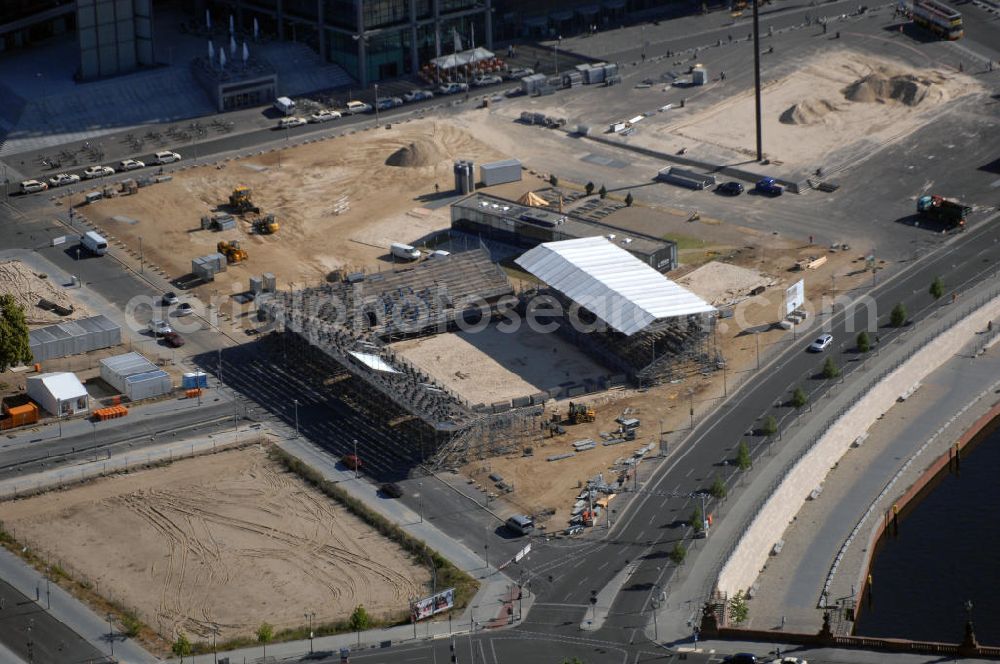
x=142 y=266
x=357 y=461
x=376 y=105
x=310 y=616
x=111 y=638
x=296 y=402
x=420 y=501
x=215 y=650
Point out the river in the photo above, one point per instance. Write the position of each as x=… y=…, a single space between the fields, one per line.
x=947 y=552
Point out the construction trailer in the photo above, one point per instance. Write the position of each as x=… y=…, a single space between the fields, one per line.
x=73 y=337
x=135 y=376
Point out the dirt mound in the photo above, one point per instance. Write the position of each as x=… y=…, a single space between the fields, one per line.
x=881 y=87
x=808 y=112
x=417 y=154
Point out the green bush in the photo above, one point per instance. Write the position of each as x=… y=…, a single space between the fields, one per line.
x=799 y=398
x=864 y=342
x=697 y=520
x=770 y=426
x=589 y=188
x=743 y=459
x=603 y=191
x=629 y=199
x=678 y=553
x=739 y=610
x=937 y=288
x=830 y=368
x=898 y=316
x=718 y=489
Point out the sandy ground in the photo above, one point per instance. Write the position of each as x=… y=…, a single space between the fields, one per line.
x=28 y=288
x=228 y=540
x=834 y=101
x=493 y=365
x=723 y=284
x=301 y=186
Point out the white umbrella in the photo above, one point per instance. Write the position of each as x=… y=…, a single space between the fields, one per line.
x=231 y=24
x=256 y=29
x=211 y=51
x=246 y=52
x=232 y=46
x=222 y=58
x=208 y=19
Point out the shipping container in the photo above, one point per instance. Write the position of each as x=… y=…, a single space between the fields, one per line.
x=73 y=337
x=500 y=172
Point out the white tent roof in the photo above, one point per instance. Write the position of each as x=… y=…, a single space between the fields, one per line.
x=616 y=286
x=373 y=362
x=63 y=385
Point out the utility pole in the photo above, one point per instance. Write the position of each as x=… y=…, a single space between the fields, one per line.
x=310 y=616
x=756 y=78
x=376 y=105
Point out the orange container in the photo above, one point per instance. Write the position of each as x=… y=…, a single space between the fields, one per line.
x=22 y=415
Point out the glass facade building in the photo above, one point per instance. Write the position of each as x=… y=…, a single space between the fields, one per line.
x=372 y=39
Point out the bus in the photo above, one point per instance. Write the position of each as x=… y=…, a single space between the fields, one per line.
x=939 y=18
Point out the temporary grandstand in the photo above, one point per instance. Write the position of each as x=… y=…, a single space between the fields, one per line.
x=353 y=322
x=623 y=311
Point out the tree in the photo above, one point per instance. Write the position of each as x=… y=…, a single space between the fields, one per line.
x=14 y=347
x=743 y=460
x=264 y=635
x=799 y=398
x=937 y=288
x=738 y=608
x=553 y=180
x=830 y=368
x=181 y=647
x=678 y=553
x=718 y=489
x=574 y=660
x=589 y=188
x=360 y=620
x=628 y=199
x=770 y=426
x=898 y=316
x=697 y=520
x=864 y=342
x=603 y=191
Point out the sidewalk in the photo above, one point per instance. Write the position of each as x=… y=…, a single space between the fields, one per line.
x=696 y=579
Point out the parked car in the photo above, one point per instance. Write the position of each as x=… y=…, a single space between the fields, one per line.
x=351 y=461
x=63 y=179
x=789 y=660
x=169 y=298
x=391 y=490
x=768 y=187
x=730 y=188
x=741 y=658
x=453 y=88
x=130 y=165
x=166 y=157
x=488 y=79
x=573 y=530
x=159 y=327
x=418 y=95
x=355 y=107
x=184 y=309
x=31 y=186
x=520 y=72
x=324 y=116
x=385 y=103
x=173 y=339
x=822 y=343
x=97 y=172
x=287 y=123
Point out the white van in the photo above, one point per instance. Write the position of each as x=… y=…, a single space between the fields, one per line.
x=284 y=105
x=404 y=251
x=31 y=186
x=94 y=243
x=166 y=157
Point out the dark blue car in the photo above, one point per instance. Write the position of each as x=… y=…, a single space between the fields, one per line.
x=768 y=187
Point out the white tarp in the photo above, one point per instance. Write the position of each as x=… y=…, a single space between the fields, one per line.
x=616 y=286
x=795 y=296
x=373 y=362
x=463 y=58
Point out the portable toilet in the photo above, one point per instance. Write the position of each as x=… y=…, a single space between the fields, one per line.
x=699 y=75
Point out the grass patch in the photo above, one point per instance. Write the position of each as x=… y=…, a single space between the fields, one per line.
x=685 y=242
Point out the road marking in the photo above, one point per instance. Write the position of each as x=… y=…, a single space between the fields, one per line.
x=689 y=473
x=604 y=564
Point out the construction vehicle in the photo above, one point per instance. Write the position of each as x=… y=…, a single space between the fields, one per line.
x=945 y=210
x=579 y=412
x=232 y=251
x=241 y=201
x=266 y=225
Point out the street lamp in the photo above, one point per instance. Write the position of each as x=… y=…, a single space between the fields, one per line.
x=215 y=650
x=142 y=268
x=296 y=402
x=310 y=616
x=111 y=638
x=357 y=461
x=420 y=501
x=376 y=105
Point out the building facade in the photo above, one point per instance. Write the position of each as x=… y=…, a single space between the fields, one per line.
x=115 y=36
x=371 y=39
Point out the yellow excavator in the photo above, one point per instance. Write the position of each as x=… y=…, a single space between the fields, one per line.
x=232 y=251
x=579 y=412
x=266 y=225
x=241 y=201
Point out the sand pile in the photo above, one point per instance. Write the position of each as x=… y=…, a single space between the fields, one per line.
x=418 y=153
x=808 y=112
x=883 y=86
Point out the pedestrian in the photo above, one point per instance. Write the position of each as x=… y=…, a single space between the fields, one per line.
x=644 y=56
x=961 y=66
x=810 y=239
x=782 y=622
x=730 y=39
x=722 y=75
x=437 y=188
x=989 y=326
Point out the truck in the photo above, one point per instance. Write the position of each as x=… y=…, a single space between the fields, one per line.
x=284 y=105
x=404 y=251
x=94 y=243
x=939 y=18
x=944 y=210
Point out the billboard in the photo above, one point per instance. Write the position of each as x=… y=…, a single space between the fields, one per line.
x=795 y=296
x=428 y=606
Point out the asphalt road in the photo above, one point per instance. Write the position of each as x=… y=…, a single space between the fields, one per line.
x=33 y=635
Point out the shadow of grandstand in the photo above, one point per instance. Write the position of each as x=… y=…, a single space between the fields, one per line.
x=274 y=373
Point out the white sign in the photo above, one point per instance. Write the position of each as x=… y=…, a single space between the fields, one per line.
x=522 y=553
x=795 y=296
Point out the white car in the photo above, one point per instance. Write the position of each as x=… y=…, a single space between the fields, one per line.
x=130 y=165
x=789 y=660
x=159 y=327
x=62 y=179
x=354 y=107
x=821 y=343
x=324 y=116
x=166 y=157
x=31 y=186
x=184 y=309
x=418 y=95
x=453 y=88
x=489 y=79
x=98 y=172
x=286 y=123
x=520 y=73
